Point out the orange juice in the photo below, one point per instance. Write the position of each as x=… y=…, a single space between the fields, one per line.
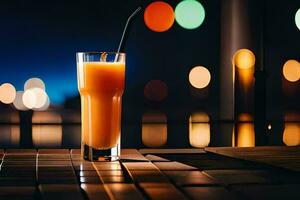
x=101 y=85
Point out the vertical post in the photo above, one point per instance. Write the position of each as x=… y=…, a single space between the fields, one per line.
x=235 y=35
x=242 y=23
x=26 y=129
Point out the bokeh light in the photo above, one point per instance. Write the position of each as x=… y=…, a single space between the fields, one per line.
x=35 y=96
x=46 y=117
x=189 y=14
x=154 y=129
x=199 y=130
x=34 y=83
x=29 y=99
x=45 y=106
x=297 y=18
x=245 y=133
x=7 y=93
x=245 y=117
x=18 y=102
x=269 y=127
x=291 y=70
x=244 y=59
x=156 y=90
x=36 y=99
x=49 y=136
x=40 y=96
x=291 y=134
x=199 y=77
x=159 y=16
x=10 y=136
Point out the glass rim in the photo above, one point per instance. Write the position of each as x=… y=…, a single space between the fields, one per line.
x=100 y=52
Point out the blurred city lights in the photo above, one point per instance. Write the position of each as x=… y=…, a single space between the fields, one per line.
x=18 y=102
x=244 y=59
x=189 y=14
x=34 y=83
x=36 y=99
x=159 y=16
x=33 y=97
x=291 y=70
x=7 y=93
x=29 y=99
x=199 y=77
x=40 y=96
x=45 y=106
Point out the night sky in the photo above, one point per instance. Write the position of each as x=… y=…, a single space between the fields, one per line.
x=40 y=39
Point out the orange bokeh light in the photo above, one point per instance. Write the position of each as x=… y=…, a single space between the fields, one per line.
x=291 y=70
x=7 y=93
x=199 y=77
x=159 y=16
x=154 y=129
x=244 y=59
x=244 y=136
x=291 y=134
x=199 y=130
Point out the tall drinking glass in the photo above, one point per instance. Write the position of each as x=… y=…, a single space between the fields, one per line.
x=101 y=78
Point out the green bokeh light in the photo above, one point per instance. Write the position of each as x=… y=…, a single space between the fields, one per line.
x=297 y=18
x=189 y=14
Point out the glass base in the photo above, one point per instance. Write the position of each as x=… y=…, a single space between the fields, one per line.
x=92 y=154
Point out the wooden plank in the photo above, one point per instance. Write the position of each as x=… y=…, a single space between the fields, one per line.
x=171 y=151
x=132 y=155
x=63 y=191
x=95 y=191
x=21 y=151
x=124 y=191
x=173 y=166
x=284 y=157
x=54 y=151
x=209 y=193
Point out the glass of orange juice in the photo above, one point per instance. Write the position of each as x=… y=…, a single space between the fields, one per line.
x=101 y=77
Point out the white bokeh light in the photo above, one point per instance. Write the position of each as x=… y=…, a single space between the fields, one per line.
x=35 y=96
x=40 y=96
x=18 y=102
x=36 y=99
x=46 y=105
x=34 y=83
x=29 y=99
x=297 y=18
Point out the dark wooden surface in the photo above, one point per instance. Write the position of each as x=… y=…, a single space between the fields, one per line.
x=152 y=174
x=285 y=157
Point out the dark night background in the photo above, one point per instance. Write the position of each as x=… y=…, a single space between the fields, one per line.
x=40 y=39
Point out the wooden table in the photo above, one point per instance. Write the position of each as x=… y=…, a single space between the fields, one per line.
x=212 y=173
